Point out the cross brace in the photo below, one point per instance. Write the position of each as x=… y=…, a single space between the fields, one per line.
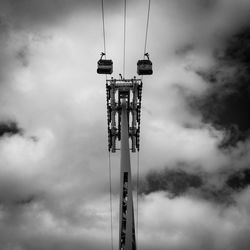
x=116 y=90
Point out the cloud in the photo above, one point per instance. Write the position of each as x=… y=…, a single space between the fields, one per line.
x=28 y=14
x=45 y=228
x=219 y=187
x=239 y=180
x=184 y=224
x=54 y=175
x=9 y=128
x=175 y=181
x=226 y=101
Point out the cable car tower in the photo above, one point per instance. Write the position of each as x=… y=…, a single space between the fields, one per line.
x=123 y=117
x=123 y=107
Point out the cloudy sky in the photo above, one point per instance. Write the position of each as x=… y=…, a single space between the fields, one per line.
x=194 y=160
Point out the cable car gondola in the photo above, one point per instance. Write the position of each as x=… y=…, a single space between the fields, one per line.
x=144 y=67
x=104 y=66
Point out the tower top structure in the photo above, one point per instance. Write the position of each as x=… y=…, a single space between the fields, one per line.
x=131 y=91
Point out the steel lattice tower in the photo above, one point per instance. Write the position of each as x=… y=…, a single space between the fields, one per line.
x=123 y=112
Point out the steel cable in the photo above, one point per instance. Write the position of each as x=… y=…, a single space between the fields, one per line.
x=138 y=155
x=103 y=29
x=111 y=207
x=124 y=37
x=137 y=195
x=109 y=160
x=146 y=35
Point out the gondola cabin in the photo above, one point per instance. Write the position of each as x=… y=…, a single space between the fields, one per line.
x=144 y=67
x=105 y=66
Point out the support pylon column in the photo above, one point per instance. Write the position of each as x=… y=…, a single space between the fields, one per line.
x=127 y=225
x=123 y=113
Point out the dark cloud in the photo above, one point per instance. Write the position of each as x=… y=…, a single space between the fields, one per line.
x=9 y=128
x=175 y=181
x=15 y=192
x=239 y=180
x=25 y=201
x=218 y=187
x=238 y=48
x=25 y=14
x=225 y=104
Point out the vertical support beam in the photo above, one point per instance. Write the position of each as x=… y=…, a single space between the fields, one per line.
x=134 y=117
x=113 y=121
x=127 y=228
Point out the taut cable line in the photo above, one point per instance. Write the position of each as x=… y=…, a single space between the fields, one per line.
x=111 y=207
x=124 y=38
x=123 y=100
x=146 y=35
x=109 y=160
x=103 y=29
x=137 y=195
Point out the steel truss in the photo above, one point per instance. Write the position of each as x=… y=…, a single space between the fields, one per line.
x=116 y=90
x=123 y=112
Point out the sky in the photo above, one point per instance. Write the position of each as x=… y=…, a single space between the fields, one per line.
x=194 y=154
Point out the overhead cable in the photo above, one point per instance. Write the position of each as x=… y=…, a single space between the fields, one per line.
x=110 y=201
x=109 y=160
x=124 y=37
x=137 y=195
x=103 y=29
x=146 y=35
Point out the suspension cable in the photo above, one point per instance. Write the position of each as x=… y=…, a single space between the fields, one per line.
x=103 y=29
x=124 y=37
x=146 y=35
x=109 y=160
x=103 y=32
x=137 y=194
x=110 y=204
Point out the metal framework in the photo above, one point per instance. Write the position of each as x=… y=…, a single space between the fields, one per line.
x=123 y=112
x=116 y=90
